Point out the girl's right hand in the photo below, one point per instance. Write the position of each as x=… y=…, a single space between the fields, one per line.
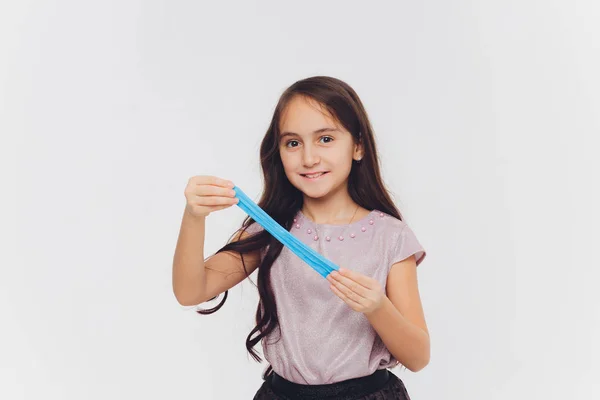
x=205 y=194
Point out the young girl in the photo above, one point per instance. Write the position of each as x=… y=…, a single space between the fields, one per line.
x=333 y=338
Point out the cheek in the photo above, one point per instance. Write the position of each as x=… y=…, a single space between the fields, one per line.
x=344 y=162
x=288 y=161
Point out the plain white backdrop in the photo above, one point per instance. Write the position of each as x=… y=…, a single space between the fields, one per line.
x=487 y=118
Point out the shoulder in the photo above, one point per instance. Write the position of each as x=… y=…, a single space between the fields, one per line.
x=389 y=225
x=400 y=239
x=253 y=227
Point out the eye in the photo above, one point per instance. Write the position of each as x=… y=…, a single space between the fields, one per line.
x=327 y=137
x=290 y=141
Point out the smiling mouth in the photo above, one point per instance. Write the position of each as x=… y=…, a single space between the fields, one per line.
x=314 y=176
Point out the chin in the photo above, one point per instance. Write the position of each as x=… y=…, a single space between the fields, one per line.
x=314 y=194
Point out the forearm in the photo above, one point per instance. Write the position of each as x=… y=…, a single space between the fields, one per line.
x=188 y=262
x=408 y=343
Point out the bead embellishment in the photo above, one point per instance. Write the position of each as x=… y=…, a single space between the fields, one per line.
x=315 y=237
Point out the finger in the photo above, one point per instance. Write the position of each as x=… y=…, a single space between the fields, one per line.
x=345 y=298
x=348 y=292
x=207 y=190
x=216 y=201
x=217 y=208
x=351 y=284
x=215 y=181
x=355 y=276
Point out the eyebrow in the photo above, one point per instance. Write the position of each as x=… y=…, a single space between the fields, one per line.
x=322 y=130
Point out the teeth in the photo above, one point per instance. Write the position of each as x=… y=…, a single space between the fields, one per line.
x=314 y=175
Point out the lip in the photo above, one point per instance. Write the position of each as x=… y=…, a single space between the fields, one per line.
x=314 y=179
x=313 y=172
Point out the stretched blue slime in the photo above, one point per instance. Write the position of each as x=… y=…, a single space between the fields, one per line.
x=319 y=263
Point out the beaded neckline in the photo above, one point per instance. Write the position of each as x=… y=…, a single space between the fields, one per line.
x=340 y=232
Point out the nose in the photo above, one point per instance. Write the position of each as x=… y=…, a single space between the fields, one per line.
x=310 y=157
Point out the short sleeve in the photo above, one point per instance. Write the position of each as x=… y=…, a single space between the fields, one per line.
x=407 y=244
x=254 y=227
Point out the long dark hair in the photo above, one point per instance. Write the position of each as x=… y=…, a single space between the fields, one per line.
x=281 y=200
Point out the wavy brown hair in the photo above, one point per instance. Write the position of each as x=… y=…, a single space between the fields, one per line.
x=282 y=201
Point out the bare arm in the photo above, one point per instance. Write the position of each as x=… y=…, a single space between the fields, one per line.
x=196 y=280
x=400 y=322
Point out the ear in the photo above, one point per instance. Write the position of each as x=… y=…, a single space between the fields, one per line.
x=358 y=151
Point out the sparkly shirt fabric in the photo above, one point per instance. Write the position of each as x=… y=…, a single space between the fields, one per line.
x=321 y=340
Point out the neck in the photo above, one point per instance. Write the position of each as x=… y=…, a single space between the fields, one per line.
x=337 y=209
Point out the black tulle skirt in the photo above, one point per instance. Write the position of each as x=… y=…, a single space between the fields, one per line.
x=381 y=385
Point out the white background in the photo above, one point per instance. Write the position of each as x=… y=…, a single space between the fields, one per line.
x=486 y=116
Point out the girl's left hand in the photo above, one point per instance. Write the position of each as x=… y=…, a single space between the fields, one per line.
x=362 y=293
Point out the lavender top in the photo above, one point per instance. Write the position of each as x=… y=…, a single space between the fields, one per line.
x=321 y=339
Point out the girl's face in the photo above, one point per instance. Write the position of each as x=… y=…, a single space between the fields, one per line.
x=311 y=141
